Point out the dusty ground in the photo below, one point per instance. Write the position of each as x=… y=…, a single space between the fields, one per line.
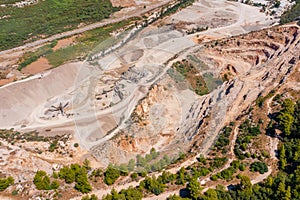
x=117 y=93
x=127 y=102
x=41 y=65
x=64 y=43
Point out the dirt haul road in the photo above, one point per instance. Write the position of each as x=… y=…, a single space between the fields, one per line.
x=77 y=80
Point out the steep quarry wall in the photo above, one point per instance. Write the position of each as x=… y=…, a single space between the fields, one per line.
x=254 y=63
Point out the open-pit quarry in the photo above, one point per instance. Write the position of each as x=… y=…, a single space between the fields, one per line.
x=124 y=103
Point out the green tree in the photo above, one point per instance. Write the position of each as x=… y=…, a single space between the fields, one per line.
x=140 y=161
x=78 y=174
x=281 y=191
x=282 y=157
x=288 y=194
x=134 y=176
x=153 y=185
x=55 y=185
x=82 y=184
x=285 y=117
x=131 y=165
x=181 y=176
x=67 y=174
x=87 y=165
x=245 y=186
x=175 y=197
x=132 y=194
x=260 y=167
x=6 y=182
x=42 y=181
x=111 y=175
x=194 y=188
x=153 y=153
x=211 y=194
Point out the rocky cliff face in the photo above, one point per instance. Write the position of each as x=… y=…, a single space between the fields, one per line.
x=173 y=118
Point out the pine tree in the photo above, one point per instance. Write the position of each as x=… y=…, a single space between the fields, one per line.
x=194 y=188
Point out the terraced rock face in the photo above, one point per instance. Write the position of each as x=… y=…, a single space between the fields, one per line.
x=236 y=56
x=173 y=118
x=253 y=64
x=124 y=103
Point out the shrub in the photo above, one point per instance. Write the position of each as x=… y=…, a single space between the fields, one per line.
x=6 y=182
x=260 y=167
x=78 y=174
x=14 y=193
x=42 y=181
x=242 y=167
x=134 y=176
x=111 y=175
x=153 y=185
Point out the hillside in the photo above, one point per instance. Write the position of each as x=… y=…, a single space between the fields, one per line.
x=186 y=100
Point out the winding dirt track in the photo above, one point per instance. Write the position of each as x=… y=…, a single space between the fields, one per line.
x=241 y=22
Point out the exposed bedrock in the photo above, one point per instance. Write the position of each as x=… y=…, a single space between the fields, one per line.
x=256 y=69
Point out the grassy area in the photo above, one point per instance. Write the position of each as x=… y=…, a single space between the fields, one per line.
x=47 y=18
x=83 y=46
x=191 y=74
x=13 y=136
x=212 y=82
x=8 y=1
x=31 y=57
x=86 y=44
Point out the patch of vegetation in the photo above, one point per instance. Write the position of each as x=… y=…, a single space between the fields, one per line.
x=47 y=18
x=194 y=189
x=14 y=136
x=128 y=194
x=31 y=57
x=195 y=30
x=219 y=162
x=176 y=197
x=286 y=116
x=222 y=143
x=291 y=14
x=227 y=174
x=286 y=184
x=211 y=81
x=153 y=185
x=91 y=41
x=182 y=4
x=248 y=131
x=148 y=163
x=6 y=182
x=261 y=99
x=111 y=175
x=260 y=167
x=78 y=174
x=82 y=47
x=42 y=181
x=192 y=75
x=53 y=146
x=92 y=197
